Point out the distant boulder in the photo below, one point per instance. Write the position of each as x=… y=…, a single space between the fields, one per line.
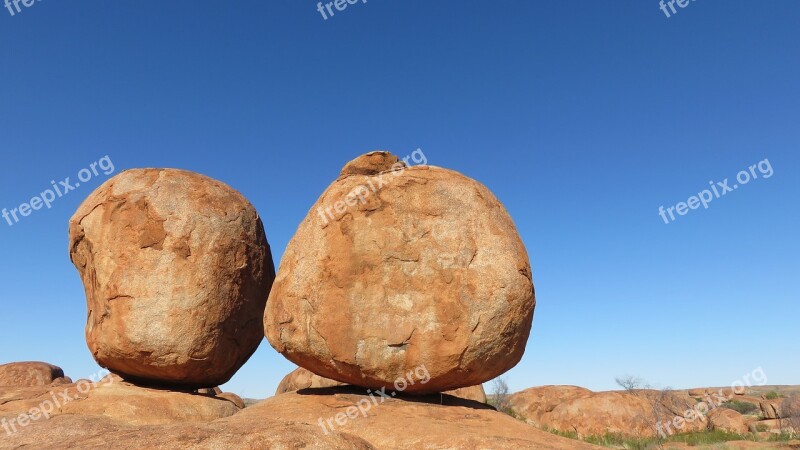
x=30 y=374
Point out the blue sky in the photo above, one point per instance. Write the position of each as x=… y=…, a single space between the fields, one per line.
x=583 y=117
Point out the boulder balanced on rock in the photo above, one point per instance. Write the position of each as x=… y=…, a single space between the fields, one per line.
x=403 y=268
x=177 y=269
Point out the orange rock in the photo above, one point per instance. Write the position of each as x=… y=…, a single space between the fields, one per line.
x=303 y=379
x=728 y=420
x=533 y=402
x=176 y=269
x=233 y=398
x=29 y=374
x=406 y=422
x=98 y=433
x=475 y=393
x=637 y=414
x=771 y=408
x=293 y=420
x=133 y=405
x=396 y=270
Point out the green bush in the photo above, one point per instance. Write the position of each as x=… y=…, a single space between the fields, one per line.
x=772 y=395
x=740 y=407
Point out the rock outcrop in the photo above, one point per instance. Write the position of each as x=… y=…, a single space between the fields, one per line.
x=30 y=374
x=634 y=414
x=533 y=402
x=399 y=273
x=727 y=420
x=133 y=405
x=177 y=270
x=309 y=421
x=474 y=393
x=304 y=379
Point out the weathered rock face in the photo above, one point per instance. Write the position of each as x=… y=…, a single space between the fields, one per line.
x=304 y=379
x=533 y=402
x=99 y=433
x=176 y=269
x=406 y=422
x=601 y=413
x=29 y=374
x=727 y=420
x=292 y=420
x=771 y=408
x=575 y=409
x=781 y=408
x=133 y=405
x=402 y=269
x=474 y=393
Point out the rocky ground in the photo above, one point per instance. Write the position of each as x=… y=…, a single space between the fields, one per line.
x=759 y=417
x=115 y=414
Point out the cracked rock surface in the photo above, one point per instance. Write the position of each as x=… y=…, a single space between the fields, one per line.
x=176 y=269
x=403 y=273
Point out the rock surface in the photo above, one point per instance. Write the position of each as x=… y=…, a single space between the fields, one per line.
x=132 y=405
x=575 y=409
x=400 y=269
x=97 y=433
x=293 y=420
x=728 y=420
x=771 y=408
x=303 y=379
x=177 y=270
x=474 y=393
x=30 y=374
x=533 y=402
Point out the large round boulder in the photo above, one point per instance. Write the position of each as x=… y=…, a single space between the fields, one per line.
x=177 y=270
x=409 y=278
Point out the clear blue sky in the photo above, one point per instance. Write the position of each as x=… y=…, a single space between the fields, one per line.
x=583 y=117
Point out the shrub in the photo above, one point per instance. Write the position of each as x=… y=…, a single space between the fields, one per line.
x=772 y=395
x=740 y=407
